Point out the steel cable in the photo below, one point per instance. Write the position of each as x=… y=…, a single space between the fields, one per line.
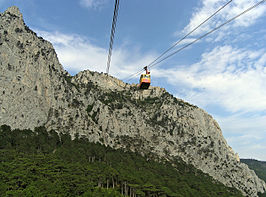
x=190 y=33
x=182 y=48
x=213 y=30
x=173 y=46
x=116 y=8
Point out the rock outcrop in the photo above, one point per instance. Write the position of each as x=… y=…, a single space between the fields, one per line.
x=35 y=90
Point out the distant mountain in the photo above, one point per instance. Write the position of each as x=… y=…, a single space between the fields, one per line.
x=258 y=166
x=36 y=91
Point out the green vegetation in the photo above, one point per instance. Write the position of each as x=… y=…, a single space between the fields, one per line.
x=259 y=167
x=114 y=100
x=148 y=103
x=42 y=163
x=89 y=108
x=68 y=79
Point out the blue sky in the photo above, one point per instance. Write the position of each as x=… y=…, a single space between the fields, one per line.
x=225 y=73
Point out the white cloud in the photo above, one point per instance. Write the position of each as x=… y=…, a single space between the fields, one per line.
x=246 y=134
x=234 y=8
x=77 y=53
x=230 y=77
x=248 y=126
x=92 y=3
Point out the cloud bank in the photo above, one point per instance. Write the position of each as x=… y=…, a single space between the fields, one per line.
x=234 y=78
x=234 y=8
x=76 y=53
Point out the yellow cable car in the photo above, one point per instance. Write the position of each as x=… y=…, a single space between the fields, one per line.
x=145 y=79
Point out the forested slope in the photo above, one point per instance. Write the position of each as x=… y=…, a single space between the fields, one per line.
x=47 y=164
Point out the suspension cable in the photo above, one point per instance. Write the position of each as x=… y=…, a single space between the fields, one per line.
x=190 y=32
x=173 y=46
x=201 y=37
x=116 y=8
x=208 y=33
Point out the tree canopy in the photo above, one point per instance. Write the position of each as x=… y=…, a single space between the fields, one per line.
x=42 y=163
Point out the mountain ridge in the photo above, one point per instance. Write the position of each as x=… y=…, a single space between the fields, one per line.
x=35 y=90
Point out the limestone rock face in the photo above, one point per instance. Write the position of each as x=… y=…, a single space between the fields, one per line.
x=35 y=90
x=29 y=73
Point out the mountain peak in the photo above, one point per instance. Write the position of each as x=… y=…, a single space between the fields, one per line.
x=13 y=12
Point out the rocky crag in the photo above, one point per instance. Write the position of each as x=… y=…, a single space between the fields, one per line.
x=35 y=90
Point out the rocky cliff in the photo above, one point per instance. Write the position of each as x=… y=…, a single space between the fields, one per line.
x=35 y=90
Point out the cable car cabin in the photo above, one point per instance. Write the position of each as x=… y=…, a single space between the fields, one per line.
x=145 y=79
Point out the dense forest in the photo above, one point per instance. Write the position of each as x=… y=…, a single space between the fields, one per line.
x=259 y=167
x=42 y=163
